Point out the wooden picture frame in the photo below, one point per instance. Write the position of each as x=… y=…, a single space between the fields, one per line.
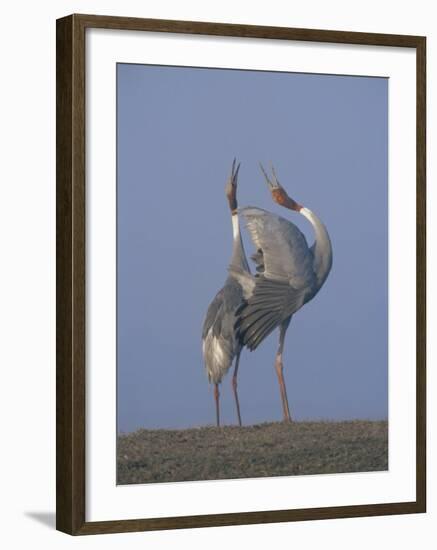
x=71 y=283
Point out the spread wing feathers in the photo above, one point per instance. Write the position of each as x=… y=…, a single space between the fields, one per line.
x=272 y=303
x=283 y=252
x=285 y=277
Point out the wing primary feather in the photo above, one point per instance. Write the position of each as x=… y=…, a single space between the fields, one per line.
x=271 y=303
x=254 y=341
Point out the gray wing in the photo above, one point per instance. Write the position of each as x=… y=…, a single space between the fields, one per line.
x=287 y=278
x=219 y=340
x=258 y=259
x=221 y=311
x=212 y=313
x=271 y=303
x=282 y=250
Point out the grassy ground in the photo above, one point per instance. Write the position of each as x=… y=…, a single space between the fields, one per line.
x=271 y=449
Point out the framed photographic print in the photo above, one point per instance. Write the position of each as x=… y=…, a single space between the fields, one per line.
x=240 y=274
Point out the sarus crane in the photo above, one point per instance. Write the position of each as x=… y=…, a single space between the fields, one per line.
x=220 y=345
x=290 y=274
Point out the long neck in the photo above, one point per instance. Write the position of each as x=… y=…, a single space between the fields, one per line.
x=322 y=249
x=238 y=258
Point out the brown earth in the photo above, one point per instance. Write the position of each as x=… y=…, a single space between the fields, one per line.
x=270 y=449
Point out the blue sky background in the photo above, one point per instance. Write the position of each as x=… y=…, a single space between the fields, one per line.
x=178 y=130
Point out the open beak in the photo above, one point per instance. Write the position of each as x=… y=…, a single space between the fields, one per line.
x=231 y=186
x=234 y=173
x=279 y=194
x=273 y=182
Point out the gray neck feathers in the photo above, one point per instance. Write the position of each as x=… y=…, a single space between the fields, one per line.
x=322 y=249
x=238 y=258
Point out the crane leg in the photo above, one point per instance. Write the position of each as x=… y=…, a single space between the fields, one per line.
x=217 y=405
x=234 y=387
x=279 y=367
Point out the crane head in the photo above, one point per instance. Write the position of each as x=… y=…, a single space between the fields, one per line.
x=279 y=194
x=231 y=186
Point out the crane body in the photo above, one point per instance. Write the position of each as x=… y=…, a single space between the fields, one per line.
x=220 y=345
x=289 y=274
